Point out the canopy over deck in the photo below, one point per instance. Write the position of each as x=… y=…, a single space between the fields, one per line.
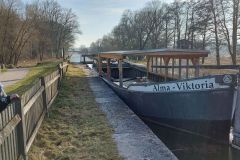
x=168 y=53
x=158 y=55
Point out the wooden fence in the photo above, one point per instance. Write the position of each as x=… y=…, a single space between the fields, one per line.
x=21 y=120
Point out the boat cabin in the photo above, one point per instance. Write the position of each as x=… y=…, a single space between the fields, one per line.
x=161 y=64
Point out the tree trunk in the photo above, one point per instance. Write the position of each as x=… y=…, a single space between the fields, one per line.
x=192 y=29
x=234 y=31
x=174 y=36
x=166 y=35
x=204 y=40
x=186 y=27
x=63 y=53
x=216 y=33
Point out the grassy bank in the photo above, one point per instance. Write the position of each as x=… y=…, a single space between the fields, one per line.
x=3 y=70
x=33 y=75
x=76 y=128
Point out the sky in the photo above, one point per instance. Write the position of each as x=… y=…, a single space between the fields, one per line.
x=98 y=17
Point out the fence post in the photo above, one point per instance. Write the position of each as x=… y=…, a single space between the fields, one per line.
x=60 y=73
x=66 y=69
x=22 y=139
x=62 y=69
x=44 y=95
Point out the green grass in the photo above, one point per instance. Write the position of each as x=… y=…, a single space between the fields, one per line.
x=34 y=74
x=76 y=128
x=3 y=70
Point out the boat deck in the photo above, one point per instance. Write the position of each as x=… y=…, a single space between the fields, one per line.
x=129 y=81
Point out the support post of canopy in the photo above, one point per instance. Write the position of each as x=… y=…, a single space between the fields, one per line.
x=197 y=69
x=156 y=64
x=187 y=69
x=160 y=65
x=166 y=61
x=99 y=66
x=84 y=59
x=152 y=64
x=180 y=69
x=173 y=61
x=108 y=69
x=148 y=59
x=120 y=69
x=203 y=59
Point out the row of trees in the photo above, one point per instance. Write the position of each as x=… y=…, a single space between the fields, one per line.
x=43 y=27
x=194 y=24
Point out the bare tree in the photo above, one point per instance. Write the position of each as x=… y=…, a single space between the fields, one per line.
x=43 y=26
x=230 y=14
x=202 y=23
x=215 y=21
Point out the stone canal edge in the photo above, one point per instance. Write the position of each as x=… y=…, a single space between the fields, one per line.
x=135 y=140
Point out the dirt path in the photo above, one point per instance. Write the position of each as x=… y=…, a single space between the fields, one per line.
x=12 y=76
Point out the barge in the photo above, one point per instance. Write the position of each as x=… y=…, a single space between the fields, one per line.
x=171 y=92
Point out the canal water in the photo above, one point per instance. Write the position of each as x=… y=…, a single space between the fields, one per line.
x=77 y=58
x=191 y=147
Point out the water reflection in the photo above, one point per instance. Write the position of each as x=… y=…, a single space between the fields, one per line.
x=90 y=66
x=191 y=147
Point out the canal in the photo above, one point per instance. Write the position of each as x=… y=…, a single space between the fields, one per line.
x=77 y=58
x=186 y=146
x=190 y=147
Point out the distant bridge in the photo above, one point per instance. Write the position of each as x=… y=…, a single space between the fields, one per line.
x=85 y=58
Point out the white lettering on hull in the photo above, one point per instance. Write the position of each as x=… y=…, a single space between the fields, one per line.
x=192 y=85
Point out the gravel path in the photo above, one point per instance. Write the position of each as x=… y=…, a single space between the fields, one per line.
x=12 y=76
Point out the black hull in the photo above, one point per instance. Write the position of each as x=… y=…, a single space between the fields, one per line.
x=204 y=113
x=217 y=130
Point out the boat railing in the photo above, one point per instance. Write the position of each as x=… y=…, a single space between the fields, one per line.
x=185 y=72
x=233 y=67
x=157 y=72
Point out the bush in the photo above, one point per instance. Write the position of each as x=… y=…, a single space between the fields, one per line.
x=2 y=66
x=10 y=66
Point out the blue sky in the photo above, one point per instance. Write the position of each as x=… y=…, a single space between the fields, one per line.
x=98 y=17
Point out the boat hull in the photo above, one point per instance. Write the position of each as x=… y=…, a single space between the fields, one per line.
x=205 y=113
